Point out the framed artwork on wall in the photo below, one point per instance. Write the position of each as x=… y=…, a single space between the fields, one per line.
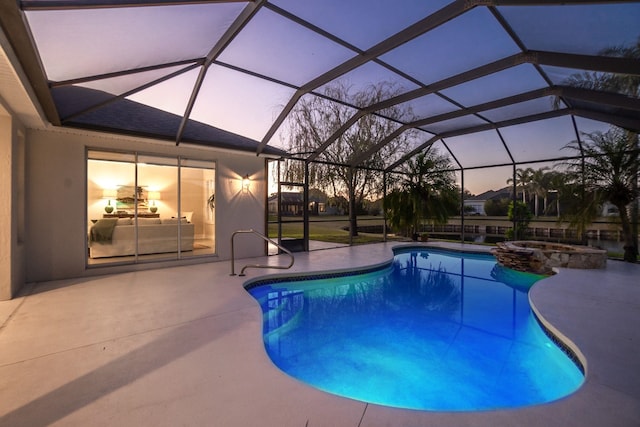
x=127 y=195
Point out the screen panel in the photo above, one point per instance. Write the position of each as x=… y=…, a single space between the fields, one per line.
x=521 y=109
x=463 y=122
x=281 y=49
x=367 y=77
x=180 y=88
x=478 y=149
x=590 y=126
x=583 y=29
x=472 y=39
x=239 y=103
x=80 y=43
x=489 y=183
x=346 y=19
x=512 y=81
x=429 y=105
x=543 y=139
x=441 y=149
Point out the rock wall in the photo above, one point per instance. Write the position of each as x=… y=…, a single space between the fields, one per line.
x=542 y=257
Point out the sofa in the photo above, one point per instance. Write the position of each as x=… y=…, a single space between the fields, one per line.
x=116 y=236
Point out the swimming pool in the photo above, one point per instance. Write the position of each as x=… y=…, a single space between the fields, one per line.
x=432 y=330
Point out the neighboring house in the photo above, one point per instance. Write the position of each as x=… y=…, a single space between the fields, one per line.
x=609 y=210
x=293 y=202
x=477 y=202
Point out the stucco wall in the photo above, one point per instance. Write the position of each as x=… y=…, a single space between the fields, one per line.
x=5 y=207
x=56 y=203
x=12 y=257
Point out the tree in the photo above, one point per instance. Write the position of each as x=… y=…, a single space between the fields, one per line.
x=538 y=185
x=557 y=184
x=315 y=119
x=339 y=203
x=497 y=207
x=627 y=84
x=608 y=173
x=469 y=210
x=426 y=191
x=521 y=216
x=523 y=179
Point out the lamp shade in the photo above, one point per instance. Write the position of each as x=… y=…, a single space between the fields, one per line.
x=109 y=193
x=153 y=195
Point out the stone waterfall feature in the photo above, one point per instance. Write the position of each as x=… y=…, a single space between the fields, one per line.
x=541 y=257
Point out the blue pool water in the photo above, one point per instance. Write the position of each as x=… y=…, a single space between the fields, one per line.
x=434 y=330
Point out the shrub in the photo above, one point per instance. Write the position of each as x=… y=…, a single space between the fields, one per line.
x=521 y=216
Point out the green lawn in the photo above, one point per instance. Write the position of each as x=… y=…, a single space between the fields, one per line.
x=330 y=229
x=327 y=229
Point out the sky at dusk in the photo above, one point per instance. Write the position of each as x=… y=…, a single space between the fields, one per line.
x=81 y=43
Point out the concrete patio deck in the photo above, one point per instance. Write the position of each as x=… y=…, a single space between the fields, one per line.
x=182 y=346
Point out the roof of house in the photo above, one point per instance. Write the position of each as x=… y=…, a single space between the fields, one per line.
x=126 y=116
x=295 y=197
x=491 y=195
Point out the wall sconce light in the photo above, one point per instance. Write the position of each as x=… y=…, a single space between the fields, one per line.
x=153 y=196
x=245 y=183
x=109 y=194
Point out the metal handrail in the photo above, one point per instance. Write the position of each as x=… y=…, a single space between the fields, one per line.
x=265 y=238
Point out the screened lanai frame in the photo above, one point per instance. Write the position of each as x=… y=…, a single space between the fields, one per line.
x=493 y=69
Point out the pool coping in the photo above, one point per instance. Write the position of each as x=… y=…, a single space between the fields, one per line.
x=341 y=272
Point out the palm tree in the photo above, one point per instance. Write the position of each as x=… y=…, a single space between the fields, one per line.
x=427 y=190
x=626 y=84
x=556 y=183
x=608 y=173
x=629 y=85
x=523 y=179
x=538 y=184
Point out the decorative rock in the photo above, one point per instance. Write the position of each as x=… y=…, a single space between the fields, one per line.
x=541 y=257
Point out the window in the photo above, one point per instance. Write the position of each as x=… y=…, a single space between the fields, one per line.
x=145 y=208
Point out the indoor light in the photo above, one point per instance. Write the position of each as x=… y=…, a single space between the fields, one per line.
x=153 y=196
x=245 y=184
x=109 y=194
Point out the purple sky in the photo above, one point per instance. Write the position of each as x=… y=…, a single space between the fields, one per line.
x=80 y=43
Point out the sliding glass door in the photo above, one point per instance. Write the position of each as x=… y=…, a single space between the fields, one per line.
x=144 y=207
x=156 y=220
x=198 y=205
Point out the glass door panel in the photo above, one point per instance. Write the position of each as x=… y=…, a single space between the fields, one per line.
x=156 y=208
x=197 y=207
x=110 y=230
